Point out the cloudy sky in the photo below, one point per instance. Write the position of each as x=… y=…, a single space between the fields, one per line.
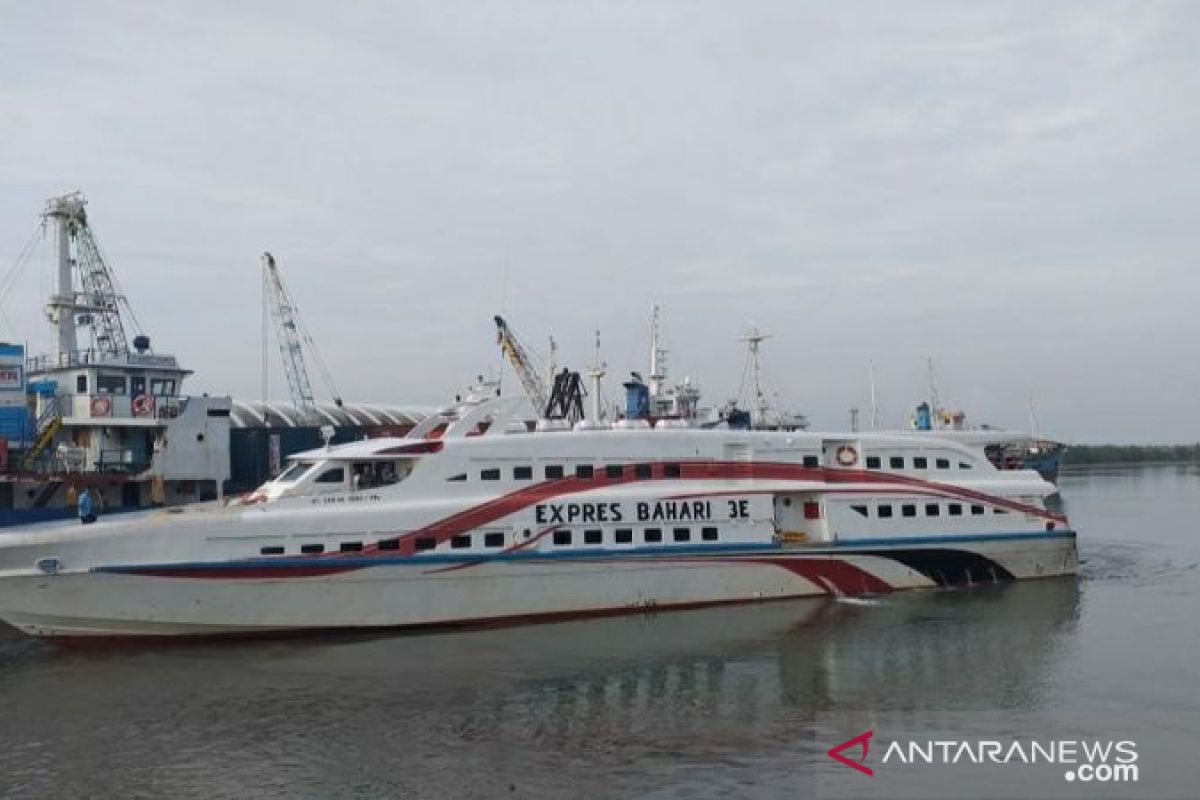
x=1009 y=188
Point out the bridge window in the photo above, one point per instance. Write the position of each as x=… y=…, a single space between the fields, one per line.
x=613 y=471
x=874 y=462
x=896 y=462
x=709 y=534
x=424 y=543
x=623 y=535
x=562 y=537
x=110 y=384
x=652 y=535
x=884 y=512
x=489 y=475
x=335 y=475
x=933 y=510
x=522 y=473
x=585 y=471
x=682 y=534
x=920 y=462
x=493 y=540
x=350 y=547
x=312 y=549
x=460 y=542
x=271 y=551
x=671 y=471
x=955 y=509
x=554 y=471
x=908 y=510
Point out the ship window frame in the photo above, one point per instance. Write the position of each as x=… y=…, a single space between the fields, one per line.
x=812 y=462
x=585 y=471
x=300 y=468
x=523 y=473
x=623 y=536
x=562 y=537
x=642 y=471
x=459 y=478
x=965 y=465
x=112 y=385
x=978 y=511
x=341 y=473
x=350 y=547
x=672 y=470
x=895 y=462
x=652 y=535
x=874 y=462
x=425 y=544
x=593 y=536
x=271 y=550
x=388 y=545
x=884 y=511
x=614 y=471
x=489 y=474
x=312 y=549
x=553 y=471
x=493 y=539
x=908 y=510
x=941 y=463
x=933 y=509
x=920 y=462
x=710 y=533
x=954 y=509
x=861 y=509
x=681 y=534
x=460 y=541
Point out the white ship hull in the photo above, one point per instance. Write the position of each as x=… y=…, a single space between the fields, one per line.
x=206 y=600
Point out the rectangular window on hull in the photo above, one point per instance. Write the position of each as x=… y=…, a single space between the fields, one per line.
x=861 y=510
x=389 y=544
x=585 y=471
x=562 y=537
x=271 y=551
x=943 y=463
x=884 y=512
x=682 y=534
x=424 y=543
x=493 y=540
x=920 y=462
x=671 y=471
x=965 y=465
x=613 y=471
x=335 y=475
x=489 y=475
x=460 y=542
x=933 y=510
x=554 y=471
x=311 y=549
x=522 y=473
x=977 y=511
x=896 y=462
x=873 y=462
x=623 y=535
x=955 y=509
x=350 y=547
x=812 y=462
x=709 y=534
x=908 y=510
x=593 y=536
x=641 y=471
x=652 y=535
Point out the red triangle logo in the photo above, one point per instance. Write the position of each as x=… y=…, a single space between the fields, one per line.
x=863 y=739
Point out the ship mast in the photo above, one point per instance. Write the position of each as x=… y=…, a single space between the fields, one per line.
x=753 y=339
x=658 y=353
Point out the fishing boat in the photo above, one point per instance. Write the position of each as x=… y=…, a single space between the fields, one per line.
x=474 y=517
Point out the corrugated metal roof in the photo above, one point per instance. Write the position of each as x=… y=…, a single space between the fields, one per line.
x=249 y=414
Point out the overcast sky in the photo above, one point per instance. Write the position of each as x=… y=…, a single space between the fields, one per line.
x=1009 y=188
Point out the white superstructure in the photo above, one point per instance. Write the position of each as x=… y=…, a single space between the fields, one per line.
x=490 y=521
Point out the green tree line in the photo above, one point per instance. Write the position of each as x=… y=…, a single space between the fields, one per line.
x=1078 y=454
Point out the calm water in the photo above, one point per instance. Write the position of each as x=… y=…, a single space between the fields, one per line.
x=739 y=702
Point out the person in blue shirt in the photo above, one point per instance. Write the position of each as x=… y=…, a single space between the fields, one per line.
x=87 y=511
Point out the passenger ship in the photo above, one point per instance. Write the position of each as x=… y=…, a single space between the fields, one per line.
x=475 y=518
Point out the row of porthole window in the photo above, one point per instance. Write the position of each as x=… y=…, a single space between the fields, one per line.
x=886 y=510
x=918 y=462
x=493 y=540
x=584 y=471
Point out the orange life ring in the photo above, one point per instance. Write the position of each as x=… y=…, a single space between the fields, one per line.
x=101 y=406
x=143 y=405
x=847 y=456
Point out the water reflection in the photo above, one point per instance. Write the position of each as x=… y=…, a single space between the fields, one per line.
x=538 y=708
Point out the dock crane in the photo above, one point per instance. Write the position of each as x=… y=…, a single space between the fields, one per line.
x=294 y=338
x=523 y=364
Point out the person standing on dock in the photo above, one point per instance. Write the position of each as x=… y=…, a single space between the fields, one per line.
x=87 y=512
